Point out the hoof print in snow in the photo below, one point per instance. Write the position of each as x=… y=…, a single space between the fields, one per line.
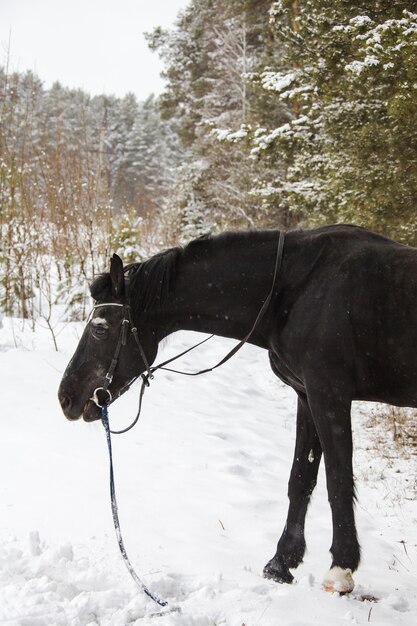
x=366 y=597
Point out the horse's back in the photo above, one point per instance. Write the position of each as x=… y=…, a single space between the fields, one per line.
x=355 y=307
x=362 y=264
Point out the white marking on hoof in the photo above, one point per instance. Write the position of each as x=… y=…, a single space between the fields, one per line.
x=338 y=579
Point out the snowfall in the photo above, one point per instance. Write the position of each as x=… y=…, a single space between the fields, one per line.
x=201 y=485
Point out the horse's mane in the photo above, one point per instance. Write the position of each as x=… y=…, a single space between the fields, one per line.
x=150 y=282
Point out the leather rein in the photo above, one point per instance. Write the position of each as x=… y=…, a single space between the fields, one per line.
x=102 y=395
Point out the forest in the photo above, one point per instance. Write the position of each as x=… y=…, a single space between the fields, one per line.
x=275 y=115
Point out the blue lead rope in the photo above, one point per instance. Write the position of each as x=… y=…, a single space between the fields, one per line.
x=114 y=508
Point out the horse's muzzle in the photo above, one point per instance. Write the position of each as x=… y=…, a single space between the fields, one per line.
x=67 y=406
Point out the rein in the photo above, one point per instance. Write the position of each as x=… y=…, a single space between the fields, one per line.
x=105 y=397
x=114 y=508
x=238 y=346
x=146 y=378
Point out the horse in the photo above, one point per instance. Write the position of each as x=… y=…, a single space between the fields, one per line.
x=339 y=326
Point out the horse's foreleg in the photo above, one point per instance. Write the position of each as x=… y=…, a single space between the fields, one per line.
x=303 y=477
x=331 y=414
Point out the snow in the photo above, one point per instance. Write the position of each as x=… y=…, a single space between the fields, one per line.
x=357 y=67
x=263 y=140
x=278 y=81
x=227 y=135
x=201 y=487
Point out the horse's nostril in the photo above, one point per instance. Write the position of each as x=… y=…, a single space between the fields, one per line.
x=64 y=400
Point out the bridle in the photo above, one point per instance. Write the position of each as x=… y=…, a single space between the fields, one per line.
x=127 y=321
x=122 y=340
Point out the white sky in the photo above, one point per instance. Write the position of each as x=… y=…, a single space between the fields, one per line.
x=97 y=45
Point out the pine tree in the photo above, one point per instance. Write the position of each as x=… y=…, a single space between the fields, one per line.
x=209 y=58
x=145 y=169
x=347 y=73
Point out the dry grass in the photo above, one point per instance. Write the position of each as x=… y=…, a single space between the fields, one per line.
x=385 y=450
x=395 y=426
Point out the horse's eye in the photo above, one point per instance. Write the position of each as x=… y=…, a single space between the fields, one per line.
x=99 y=331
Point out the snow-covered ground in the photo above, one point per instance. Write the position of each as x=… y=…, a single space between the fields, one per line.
x=201 y=485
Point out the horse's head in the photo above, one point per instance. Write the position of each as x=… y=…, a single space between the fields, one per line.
x=107 y=346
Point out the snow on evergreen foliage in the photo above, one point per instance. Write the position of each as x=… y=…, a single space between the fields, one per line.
x=313 y=118
x=209 y=58
x=348 y=76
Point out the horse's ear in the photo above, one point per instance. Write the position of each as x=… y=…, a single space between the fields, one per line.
x=117 y=276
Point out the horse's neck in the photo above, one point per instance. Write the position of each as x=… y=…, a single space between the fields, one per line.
x=220 y=287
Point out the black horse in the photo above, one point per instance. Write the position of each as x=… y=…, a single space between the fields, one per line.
x=340 y=326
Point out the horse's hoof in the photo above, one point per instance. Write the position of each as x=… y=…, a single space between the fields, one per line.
x=339 y=580
x=274 y=570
